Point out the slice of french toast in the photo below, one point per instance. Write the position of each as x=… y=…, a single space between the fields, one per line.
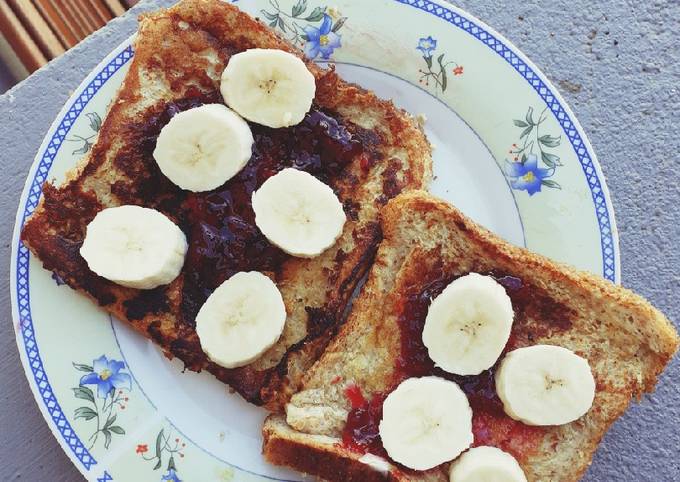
x=367 y=150
x=333 y=422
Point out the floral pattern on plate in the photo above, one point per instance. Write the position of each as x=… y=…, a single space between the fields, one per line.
x=303 y=29
x=87 y=140
x=435 y=74
x=164 y=445
x=112 y=387
x=523 y=171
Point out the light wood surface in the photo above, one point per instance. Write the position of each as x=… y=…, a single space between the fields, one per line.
x=37 y=31
x=62 y=29
x=18 y=37
x=37 y=27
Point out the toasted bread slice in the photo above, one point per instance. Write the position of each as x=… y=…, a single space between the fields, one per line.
x=364 y=147
x=426 y=244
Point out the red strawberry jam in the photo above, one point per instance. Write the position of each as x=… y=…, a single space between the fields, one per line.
x=491 y=426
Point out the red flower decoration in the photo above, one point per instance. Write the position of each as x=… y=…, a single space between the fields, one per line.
x=458 y=70
x=142 y=449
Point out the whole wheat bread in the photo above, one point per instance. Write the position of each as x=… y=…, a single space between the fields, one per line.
x=425 y=240
x=180 y=54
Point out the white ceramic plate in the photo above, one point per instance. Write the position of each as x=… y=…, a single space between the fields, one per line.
x=488 y=108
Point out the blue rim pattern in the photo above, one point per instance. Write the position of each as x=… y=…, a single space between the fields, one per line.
x=23 y=297
x=105 y=478
x=22 y=274
x=601 y=212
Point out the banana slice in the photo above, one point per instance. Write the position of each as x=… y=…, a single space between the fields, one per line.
x=271 y=87
x=486 y=464
x=134 y=246
x=202 y=148
x=426 y=422
x=545 y=385
x=298 y=213
x=468 y=325
x=241 y=319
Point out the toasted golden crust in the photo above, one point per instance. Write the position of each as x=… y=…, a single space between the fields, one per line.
x=325 y=458
x=627 y=341
x=179 y=56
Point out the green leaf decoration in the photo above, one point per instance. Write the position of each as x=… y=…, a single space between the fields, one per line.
x=298 y=8
x=530 y=116
x=282 y=25
x=84 y=393
x=95 y=121
x=107 y=438
x=110 y=421
x=442 y=70
x=524 y=157
x=171 y=463
x=428 y=61
x=338 y=25
x=159 y=448
x=550 y=160
x=552 y=184
x=549 y=141
x=269 y=16
x=117 y=429
x=83 y=368
x=273 y=23
x=85 y=412
x=84 y=149
x=519 y=123
x=316 y=15
x=526 y=131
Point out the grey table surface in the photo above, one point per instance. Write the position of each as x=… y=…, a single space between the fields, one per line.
x=618 y=65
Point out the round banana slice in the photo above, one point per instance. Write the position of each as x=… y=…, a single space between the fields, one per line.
x=134 y=246
x=484 y=464
x=202 y=148
x=426 y=422
x=298 y=213
x=271 y=87
x=545 y=385
x=468 y=325
x=241 y=319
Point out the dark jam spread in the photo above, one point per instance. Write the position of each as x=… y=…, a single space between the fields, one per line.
x=490 y=424
x=220 y=226
x=223 y=237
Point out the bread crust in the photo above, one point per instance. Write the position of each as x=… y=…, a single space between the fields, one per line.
x=325 y=459
x=180 y=53
x=626 y=340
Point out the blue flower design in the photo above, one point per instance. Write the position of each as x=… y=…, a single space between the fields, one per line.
x=106 y=374
x=427 y=46
x=321 y=40
x=172 y=476
x=527 y=176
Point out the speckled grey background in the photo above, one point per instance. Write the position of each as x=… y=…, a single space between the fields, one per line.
x=618 y=65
